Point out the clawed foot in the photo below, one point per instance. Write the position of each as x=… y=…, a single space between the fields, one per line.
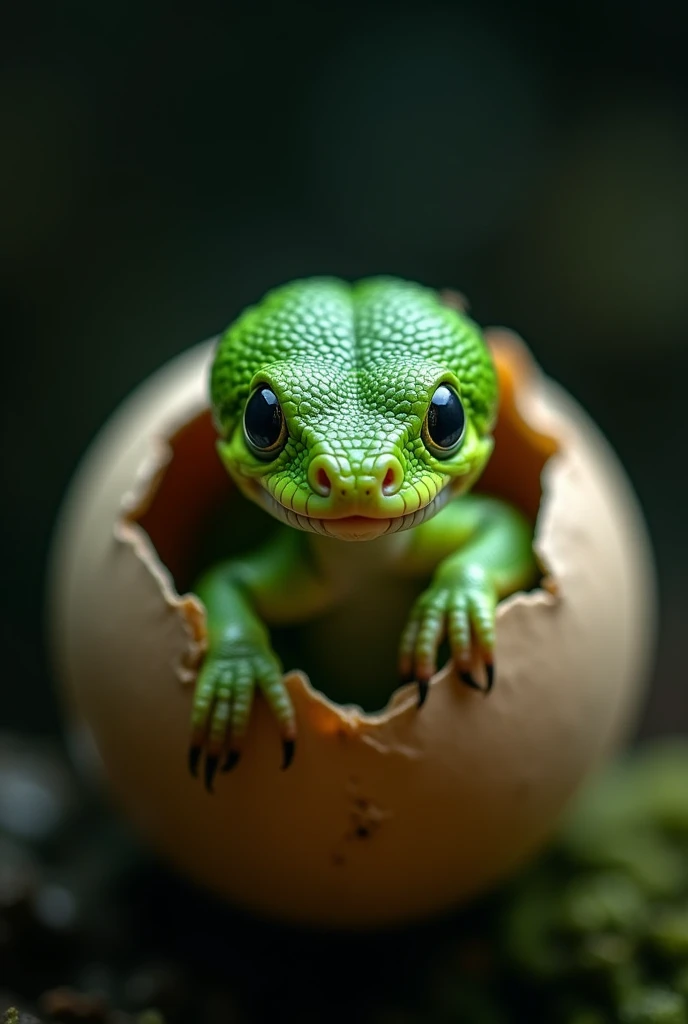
x=461 y=610
x=222 y=707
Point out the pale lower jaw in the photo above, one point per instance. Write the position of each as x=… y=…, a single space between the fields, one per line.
x=351 y=528
x=355 y=527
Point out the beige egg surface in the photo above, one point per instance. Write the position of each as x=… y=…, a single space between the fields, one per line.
x=388 y=815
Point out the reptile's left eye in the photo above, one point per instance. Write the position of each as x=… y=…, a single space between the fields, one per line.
x=264 y=426
x=445 y=423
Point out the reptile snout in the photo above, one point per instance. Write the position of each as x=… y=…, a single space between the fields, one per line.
x=355 y=490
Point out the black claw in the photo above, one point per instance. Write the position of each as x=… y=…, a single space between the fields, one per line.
x=231 y=761
x=423 y=688
x=194 y=758
x=468 y=679
x=288 y=747
x=210 y=769
x=489 y=670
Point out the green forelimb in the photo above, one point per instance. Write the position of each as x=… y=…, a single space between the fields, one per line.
x=481 y=550
x=276 y=584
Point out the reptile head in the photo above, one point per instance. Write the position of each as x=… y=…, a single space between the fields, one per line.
x=353 y=410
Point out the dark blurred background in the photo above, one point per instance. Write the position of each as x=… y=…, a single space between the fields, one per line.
x=160 y=170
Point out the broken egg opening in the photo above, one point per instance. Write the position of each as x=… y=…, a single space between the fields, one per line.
x=192 y=515
x=467 y=788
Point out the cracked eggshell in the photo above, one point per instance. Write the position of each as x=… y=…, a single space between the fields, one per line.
x=382 y=818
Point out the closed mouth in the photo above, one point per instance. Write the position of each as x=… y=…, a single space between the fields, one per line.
x=352 y=527
x=354 y=520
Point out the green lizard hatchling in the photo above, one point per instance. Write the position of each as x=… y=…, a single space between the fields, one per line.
x=353 y=413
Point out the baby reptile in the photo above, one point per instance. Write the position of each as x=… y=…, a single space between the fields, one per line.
x=353 y=413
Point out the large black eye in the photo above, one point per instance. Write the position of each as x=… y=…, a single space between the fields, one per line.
x=264 y=426
x=445 y=422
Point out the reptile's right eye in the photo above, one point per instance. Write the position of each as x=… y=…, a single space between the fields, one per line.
x=264 y=425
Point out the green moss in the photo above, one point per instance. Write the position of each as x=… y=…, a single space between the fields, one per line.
x=596 y=932
x=653 y=1006
x=604 y=901
x=150 y=1017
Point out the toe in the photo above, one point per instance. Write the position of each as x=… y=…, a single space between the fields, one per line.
x=489 y=672
x=231 y=761
x=194 y=758
x=423 y=689
x=211 y=763
x=467 y=678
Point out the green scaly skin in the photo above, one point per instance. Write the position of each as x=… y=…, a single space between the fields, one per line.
x=354 y=368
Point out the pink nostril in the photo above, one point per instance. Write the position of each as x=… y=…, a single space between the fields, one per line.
x=324 y=481
x=388 y=482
